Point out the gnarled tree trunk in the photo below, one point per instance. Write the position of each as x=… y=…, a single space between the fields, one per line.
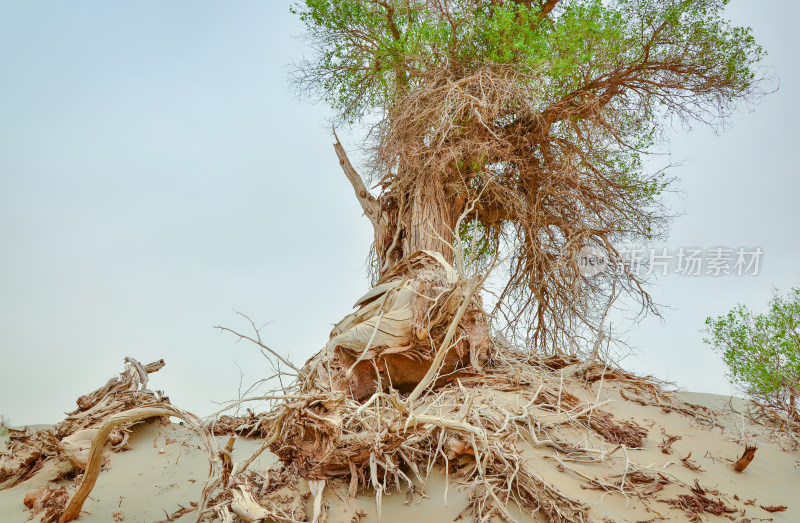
x=401 y=324
x=422 y=218
x=399 y=328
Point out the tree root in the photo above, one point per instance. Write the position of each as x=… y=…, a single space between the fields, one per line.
x=64 y=448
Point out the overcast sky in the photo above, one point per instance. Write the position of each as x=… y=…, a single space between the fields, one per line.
x=157 y=173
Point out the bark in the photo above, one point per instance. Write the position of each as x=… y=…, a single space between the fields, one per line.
x=403 y=224
x=393 y=337
x=430 y=222
x=747 y=457
x=547 y=7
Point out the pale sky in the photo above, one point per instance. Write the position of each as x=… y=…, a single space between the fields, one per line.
x=157 y=173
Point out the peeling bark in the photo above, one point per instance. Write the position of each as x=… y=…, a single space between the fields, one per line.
x=391 y=340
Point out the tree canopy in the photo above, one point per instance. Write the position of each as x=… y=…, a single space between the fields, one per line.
x=534 y=116
x=370 y=52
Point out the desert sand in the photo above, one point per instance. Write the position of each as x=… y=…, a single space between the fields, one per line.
x=166 y=467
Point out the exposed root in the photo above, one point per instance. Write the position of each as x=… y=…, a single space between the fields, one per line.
x=412 y=381
x=639 y=482
x=275 y=496
x=626 y=433
x=248 y=426
x=486 y=417
x=63 y=450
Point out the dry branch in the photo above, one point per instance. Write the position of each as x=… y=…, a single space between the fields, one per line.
x=77 y=443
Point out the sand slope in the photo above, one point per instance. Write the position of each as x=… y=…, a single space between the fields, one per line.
x=166 y=469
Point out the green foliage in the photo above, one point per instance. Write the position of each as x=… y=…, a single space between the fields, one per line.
x=762 y=351
x=367 y=52
x=475 y=242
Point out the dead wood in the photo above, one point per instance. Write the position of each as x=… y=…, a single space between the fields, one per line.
x=747 y=457
x=369 y=204
x=64 y=448
x=625 y=433
x=639 y=482
x=47 y=500
x=178 y=513
x=649 y=392
x=95 y=458
x=77 y=443
x=784 y=428
x=691 y=465
x=771 y=509
x=276 y=496
x=698 y=502
x=248 y=426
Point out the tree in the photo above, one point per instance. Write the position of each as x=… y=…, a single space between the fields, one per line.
x=536 y=116
x=762 y=351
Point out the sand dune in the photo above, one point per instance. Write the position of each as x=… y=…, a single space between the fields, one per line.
x=166 y=467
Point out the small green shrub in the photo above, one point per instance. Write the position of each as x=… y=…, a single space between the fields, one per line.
x=762 y=351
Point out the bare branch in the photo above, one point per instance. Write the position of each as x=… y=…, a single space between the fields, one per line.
x=257 y=342
x=369 y=204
